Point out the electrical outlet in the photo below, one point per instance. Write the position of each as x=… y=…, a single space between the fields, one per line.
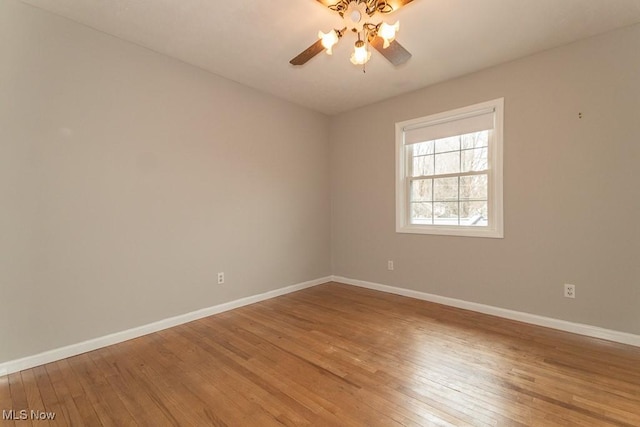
x=569 y=291
x=390 y=265
x=220 y=278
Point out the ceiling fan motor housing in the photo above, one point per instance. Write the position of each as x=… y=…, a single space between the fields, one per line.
x=354 y=16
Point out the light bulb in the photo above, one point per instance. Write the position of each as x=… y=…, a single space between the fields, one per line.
x=388 y=33
x=360 y=54
x=328 y=40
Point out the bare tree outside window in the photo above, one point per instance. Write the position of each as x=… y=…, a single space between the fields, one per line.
x=449 y=183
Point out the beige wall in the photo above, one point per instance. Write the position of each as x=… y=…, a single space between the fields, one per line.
x=572 y=198
x=129 y=179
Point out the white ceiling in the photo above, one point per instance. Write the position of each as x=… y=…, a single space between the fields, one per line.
x=252 y=41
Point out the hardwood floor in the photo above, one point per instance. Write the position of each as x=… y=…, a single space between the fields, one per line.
x=344 y=356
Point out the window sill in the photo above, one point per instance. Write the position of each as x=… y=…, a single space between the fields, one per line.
x=451 y=231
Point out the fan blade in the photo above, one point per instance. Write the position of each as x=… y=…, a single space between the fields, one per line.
x=309 y=53
x=395 y=53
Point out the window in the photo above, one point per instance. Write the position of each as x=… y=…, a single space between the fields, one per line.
x=449 y=172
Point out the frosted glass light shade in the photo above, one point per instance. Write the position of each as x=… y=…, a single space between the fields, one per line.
x=360 y=54
x=388 y=33
x=329 y=40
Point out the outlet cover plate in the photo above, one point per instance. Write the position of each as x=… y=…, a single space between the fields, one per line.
x=569 y=291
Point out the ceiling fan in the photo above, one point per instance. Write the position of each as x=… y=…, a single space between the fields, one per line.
x=359 y=17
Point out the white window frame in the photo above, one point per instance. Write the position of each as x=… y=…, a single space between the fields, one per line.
x=495 y=229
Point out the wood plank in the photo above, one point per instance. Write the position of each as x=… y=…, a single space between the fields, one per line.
x=34 y=400
x=19 y=399
x=145 y=407
x=68 y=406
x=340 y=355
x=6 y=404
x=106 y=404
x=50 y=398
x=81 y=401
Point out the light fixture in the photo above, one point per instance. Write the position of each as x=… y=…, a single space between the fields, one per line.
x=329 y=40
x=361 y=17
x=360 y=55
x=388 y=32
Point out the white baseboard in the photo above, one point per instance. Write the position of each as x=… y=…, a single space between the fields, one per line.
x=12 y=366
x=563 y=325
x=18 y=365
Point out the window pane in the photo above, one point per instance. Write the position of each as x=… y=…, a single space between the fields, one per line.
x=422 y=190
x=474 y=214
x=423 y=148
x=474 y=160
x=474 y=187
x=421 y=213
x=448 y=144
x=423 y=166
x=475 y=140
x=445 y=189
x=445 y=213
x=449 y=177
x=448 y=163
